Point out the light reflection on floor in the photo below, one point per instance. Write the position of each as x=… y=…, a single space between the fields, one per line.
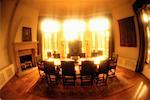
x=140 y=92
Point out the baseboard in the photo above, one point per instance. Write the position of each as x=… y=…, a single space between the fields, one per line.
x=6 y=74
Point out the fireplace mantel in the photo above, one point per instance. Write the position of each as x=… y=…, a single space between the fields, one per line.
x=25 y=48
x=25 y=45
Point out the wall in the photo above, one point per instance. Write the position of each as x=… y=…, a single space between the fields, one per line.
x=127 y=55
x=6 y=9
x=23 y=16
x=6 y=68
x=14 y=15
x=0 y=16
x=29 y=18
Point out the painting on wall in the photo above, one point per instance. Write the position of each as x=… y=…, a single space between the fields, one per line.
x=127 y=32
x=26 y=34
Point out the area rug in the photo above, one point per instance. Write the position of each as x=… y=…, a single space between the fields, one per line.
x=115 y=85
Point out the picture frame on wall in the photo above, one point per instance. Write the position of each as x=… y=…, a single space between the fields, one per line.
x=26 y=34
x=127 y=32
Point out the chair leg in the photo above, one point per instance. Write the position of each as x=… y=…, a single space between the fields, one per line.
x=47 y=80
x=114 y=71
x=56 y=82
x=63 y=81
x=74 y=82
x=39 y=73
x=106 y=78
x=81 y=81
x=92 y=82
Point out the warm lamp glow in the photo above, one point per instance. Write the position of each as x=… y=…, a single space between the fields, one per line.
x=75 y=29
x=99 y=24
x=72 y=27
x=145 y=17
x=98 y=60
x=49 y=25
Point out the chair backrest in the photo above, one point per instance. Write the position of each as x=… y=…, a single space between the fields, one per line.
x=94 y=54
x=88 y=68
x=82 y=55
x=40 y=65
x=68 y=55
x=49 y=68
x=56 y=55
x=104 y=67
x=68 y=68
x=49 y=55
x=99 y=52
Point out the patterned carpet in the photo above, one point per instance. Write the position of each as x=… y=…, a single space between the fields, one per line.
x=115 y=85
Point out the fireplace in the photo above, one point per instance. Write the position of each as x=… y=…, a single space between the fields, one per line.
x=26 y=53
x=26 y=62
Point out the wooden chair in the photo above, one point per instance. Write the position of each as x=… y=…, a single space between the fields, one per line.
x=113 y=64
x=52 y=75
x=40 y=68
x=49 y=54
x=88 y=69
x=82 y=55
x=68 y=55
x=68 y=72
x=99 y=53
x=102 y=72
x=94 y=54
x=56 y=55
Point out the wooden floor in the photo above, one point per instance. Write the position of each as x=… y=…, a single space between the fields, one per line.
x=19 y=87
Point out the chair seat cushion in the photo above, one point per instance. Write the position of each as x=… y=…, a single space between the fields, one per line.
x=40 y=67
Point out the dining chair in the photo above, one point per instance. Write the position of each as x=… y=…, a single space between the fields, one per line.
x=49 y=54
x=56 y=55
x=102 y=72
x=94 y=54
x=52 y=75
x=40 y=65
x=87 y=72
x=99 y=53
x=68 y=55
x=113 y=64
x=82 y=55
x=68 y=72
x=40 y=68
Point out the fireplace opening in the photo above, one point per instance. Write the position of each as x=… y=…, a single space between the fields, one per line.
x=26 y=62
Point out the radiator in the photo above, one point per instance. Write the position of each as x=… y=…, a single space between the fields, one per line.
x=6 y=74
x=127 y=63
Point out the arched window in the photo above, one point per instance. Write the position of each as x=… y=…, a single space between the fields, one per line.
x=50 y=29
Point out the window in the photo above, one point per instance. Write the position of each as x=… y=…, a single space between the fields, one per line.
x=100 y=30
x=50 y=29
x=100 y=41
x=127 y=32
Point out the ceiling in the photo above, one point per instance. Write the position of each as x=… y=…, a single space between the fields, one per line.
x=74 y=6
